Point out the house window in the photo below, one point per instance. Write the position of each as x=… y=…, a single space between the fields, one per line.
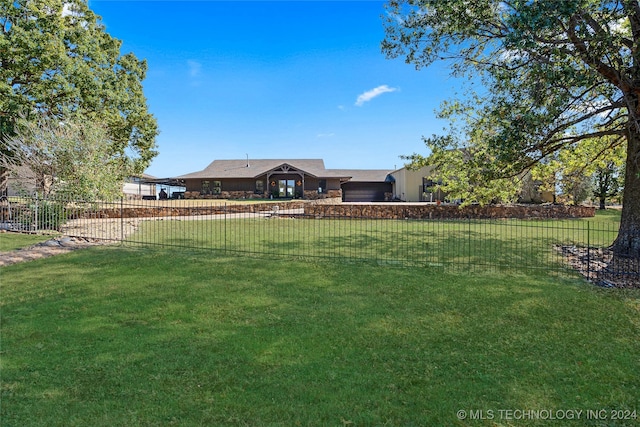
x=428 y=184
x=217 y=187
x=322 y=186
x=259 y=186
x=206 y=187
x=286 y=188
x=430 y=190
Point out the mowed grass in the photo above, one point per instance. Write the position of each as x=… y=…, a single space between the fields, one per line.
x=117 y=336
x=446 y=244
x=13 y=241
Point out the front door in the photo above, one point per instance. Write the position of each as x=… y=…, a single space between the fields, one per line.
x=286 y=187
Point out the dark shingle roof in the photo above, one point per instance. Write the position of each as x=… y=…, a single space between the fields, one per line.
x=255 y=168
x=364 y=175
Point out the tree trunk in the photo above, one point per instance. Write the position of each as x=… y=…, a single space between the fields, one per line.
x=627 y=244
x=4 y=181
x=602 y=203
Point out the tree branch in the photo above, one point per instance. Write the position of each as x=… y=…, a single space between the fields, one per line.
x=604 y=70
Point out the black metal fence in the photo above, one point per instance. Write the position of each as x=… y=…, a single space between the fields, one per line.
x=283 y=230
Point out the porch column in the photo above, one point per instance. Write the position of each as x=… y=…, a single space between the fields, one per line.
x=302 y=180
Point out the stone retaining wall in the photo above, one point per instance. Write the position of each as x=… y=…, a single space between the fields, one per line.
x=169 y=211
x=402 y=211
x=327 y=201
x=318 y=208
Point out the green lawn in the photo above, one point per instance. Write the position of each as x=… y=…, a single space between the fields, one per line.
x=120 y=337
x=12 y=241
x=471 y=245
x=608 y=216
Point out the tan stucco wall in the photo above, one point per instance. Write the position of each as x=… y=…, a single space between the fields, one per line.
x=408 y=185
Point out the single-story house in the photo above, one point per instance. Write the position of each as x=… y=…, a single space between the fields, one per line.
x=283 y=178
x=23 y=180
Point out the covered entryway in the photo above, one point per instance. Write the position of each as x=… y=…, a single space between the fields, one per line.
x=286 y=187
x=286 y=181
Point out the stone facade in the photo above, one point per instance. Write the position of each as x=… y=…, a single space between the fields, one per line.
x=330 y=194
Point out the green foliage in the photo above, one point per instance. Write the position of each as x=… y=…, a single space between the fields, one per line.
x=58 y=61
x=49 y=215
x=608 y=181
x=554 y=73
x=464 y=174
x=581 y=169
x=75 y=158
x=465 y=167
x=41 y=215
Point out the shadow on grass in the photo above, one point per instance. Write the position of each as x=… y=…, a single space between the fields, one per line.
x=461 y=245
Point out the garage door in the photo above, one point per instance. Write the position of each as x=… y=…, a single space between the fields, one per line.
x=365 y=192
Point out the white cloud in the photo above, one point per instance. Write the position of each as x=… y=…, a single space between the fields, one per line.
x=375 y=92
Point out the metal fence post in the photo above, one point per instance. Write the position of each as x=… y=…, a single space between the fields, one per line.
x=588 y=252
x=225 y=227
x=121 y=220
x=469 y=240
x=35 y=212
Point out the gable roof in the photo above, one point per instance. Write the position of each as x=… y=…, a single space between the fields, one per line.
x=365 y=175
x=221 y=169
x=258 y=167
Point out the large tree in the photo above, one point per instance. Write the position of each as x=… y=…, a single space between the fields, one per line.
x=554 y=74
x=576 y=169
x=606 y=183
x=57 y=60
x=460 y=173
x=71 y=159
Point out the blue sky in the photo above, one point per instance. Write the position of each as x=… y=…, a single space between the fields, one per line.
x=276 y=79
